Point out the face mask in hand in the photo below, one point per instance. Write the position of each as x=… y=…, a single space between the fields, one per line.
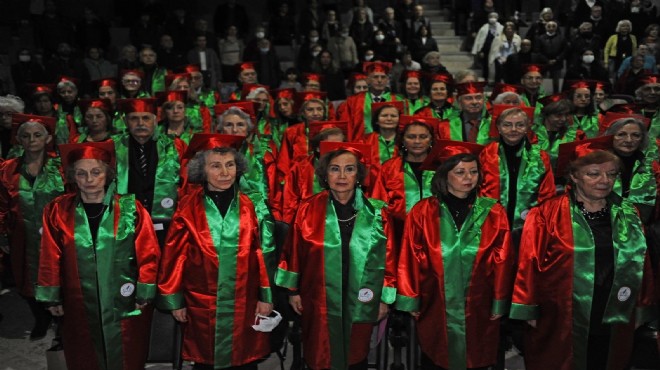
x=260 y=35
x=588 y=59
x=368 y=57
x=266 y=324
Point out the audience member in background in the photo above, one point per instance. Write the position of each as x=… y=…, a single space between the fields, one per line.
x=309 y=18
x=207 y=59
x=628 y=81
x=515 y=62
x=25 y=71
x=268 y=65
x=231 y=14
x=334 y=78
x=291 y=79
x=649 y=60
x=154 y=75
x=179 y=26
x=652 y=40
x=306 y=53
x=65 y=63
x=552 y=45
x=601 y=26
x=231 y=49
x=589 y=68
x=405 y=10
x=584 y=39
x=484 y=40
x=505 y=45
x=330 y=27
x=168 y=56
x=431 y=63
x=582 y=11
x=422 y=43
x=619 y=46
x=391 y=26
x=91 y=31
x=418 y=20
x=344 y=49
x=128 y=58
x=641 y=14
x=144 y=32
x=52 y=28
x=9 y=105
x=251 y=48
x=384 y=50
x=358 y=6
x=362 y=32
x=282 y=26
x=97 y=66
x=538 y=28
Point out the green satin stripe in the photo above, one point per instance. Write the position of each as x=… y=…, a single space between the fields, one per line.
x=368 y=128
x=455 y=126
x=15 y=151
x=194 y=117
x=158 y=80
x=265 y=295
x=552 y=148
x=166 y=182
x=483 y=135
x=170 y=301
x=642 y=185
x=405 y=303
x=49 y=294
x=119 y=123
x=583 y=285
x=418 y=104
x=588 y=124
x=121 y=158
x=263 y=122
x=61 y=129
x=630 y=251
x=367 y=260
x=145 y=292
x=388 y=296
x=645 y=314
x=207 y=98
x=286 y=279
x=459 y=250
x=524 y=311
x=32 y=199
x=225 y=235
x=411 y=186
x=255 y=179
x=338 y=329
x=500 y=307
x=385 y=149
x=267 y=233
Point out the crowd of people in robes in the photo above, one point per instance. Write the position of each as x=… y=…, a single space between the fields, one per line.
x=483 y=216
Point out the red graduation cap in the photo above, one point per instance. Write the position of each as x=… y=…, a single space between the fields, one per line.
x=648 y=79
x=394 y=104
x=627 y=108
x=102 y=150
x=105 y=82
x=315 y=128
x=500 y=88
x=372 y=67
x=606 y=86
x=246 y=106
x=64 y=78
x=170 y=77
x=288 y=93
x=248 y=88
x=355 y=77
x=38 y=89
x=190 y=68
x=412 y=74
x=176 y=95
x=569 y=152
x=498 y=109
x=242 y=67
x=570 y=85
x=305 y=96
x=18 y=119
x=102 y=104
x=314 y=77
x=527 y=68
x=432 y=123
x=611 y=117
x=476 y=87
x=546 y=100
x=360 y=150
x=202 y=142
x=137 y=105
x=445 y=149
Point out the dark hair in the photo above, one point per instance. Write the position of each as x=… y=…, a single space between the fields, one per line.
x=376 y=113
x=595 y=157
x=315 y=142
x=403 y=134
x=439 y=181
x=196 y=165
x=562 y=106
x=108 y=120
x=321 y=168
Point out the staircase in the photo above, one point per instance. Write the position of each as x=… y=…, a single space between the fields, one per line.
x=449 y=44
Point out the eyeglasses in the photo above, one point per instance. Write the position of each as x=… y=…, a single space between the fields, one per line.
x=6 y=114
x=131 y=82
x=510 y=126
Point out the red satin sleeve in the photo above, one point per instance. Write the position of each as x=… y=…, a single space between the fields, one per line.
x=147 y=251
x=391 y=252
x=207 y=120
x=298 y=186
x=490 y=171
x=389 y=187
x=533 y=241
x=501 y=256
x=547 y=189
x=175 y=252
x=51 y=249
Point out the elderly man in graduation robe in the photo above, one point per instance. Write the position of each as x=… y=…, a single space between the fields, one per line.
x=471 y=122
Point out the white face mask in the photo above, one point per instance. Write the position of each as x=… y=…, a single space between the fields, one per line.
x=24 y=58
x=266 y=324
x=551 y=33
x=315 y=53
x=314 y=39
x=368 y=57
x=492 y=20
x=634 y=9
x=260 y=35
x=380 y=37
x=588 y=59
x=264 y=50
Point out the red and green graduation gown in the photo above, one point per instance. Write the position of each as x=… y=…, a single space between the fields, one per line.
x=167 y=177
x=535 y=182
x=214 y=267
x=300 y=184
x=66 y=127
x=188 y=131
x=555 y=284
x=397 y=185
x=21 y=207
x=208 y=97
x=357 y=112
x=456 y=279
x=294 y=146
x=98 y=282
x=452 y=128
x=260 y=177
x=199 y=117
x=589 y=124
x=410 y=107
x=311 y=263
x=429 y=111
x=539 y=135
x=643 y=187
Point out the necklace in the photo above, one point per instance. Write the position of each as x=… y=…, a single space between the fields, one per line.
x=348 y=219
x=99 y=214
x=597 y=215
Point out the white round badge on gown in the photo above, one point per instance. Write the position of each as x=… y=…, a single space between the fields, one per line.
x=623 y=294
x=127 y=289
x=365 y=295
x=523 y=214
x=167 y=203
x=41 y=230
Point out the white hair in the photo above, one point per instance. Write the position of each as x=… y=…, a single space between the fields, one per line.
x=12 y=103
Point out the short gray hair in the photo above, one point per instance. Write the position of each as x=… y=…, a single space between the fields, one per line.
x=253 y=94
x=500 y=98
x=430 y=55
x=196 y=173
x=621 y=23
x=12 y=103
x=27 y=124
x=235 y=111
x=618 y=124
x=460 y=75
x=66 y=83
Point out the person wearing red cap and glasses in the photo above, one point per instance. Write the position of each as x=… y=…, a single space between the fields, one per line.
x=471 y=123
x=27 y=183
x=358 y=107
x=441 y=91
x=455 y=267
x=531 y=80
x=413 y=92
x=584 y=280
x=214 y=275
x=148 y=162
x=67 y=102
x=107 y=89
x=585 y=114
x=648 y=93
x=98 y=264
x=198 y=114
x=339 y=263
x=247 y=74
x=206 y=96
